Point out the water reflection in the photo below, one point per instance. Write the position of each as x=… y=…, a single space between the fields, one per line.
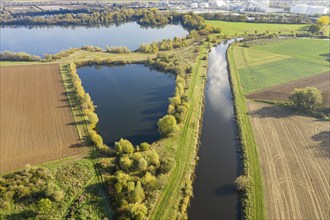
x=218 y=91
x=214 y=191
x=39 y=41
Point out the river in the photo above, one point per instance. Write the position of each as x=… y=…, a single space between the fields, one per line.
x=217 y=169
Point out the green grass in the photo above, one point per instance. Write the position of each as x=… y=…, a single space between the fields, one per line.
x=183 y=147
x=280 y=62
x=253 y=202
x=75 y=178
x=232 y=28
x=77 y=113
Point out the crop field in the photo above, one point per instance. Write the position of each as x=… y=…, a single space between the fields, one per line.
x=266 y=63
x=295 y=162
x=36 y=119
x=283 y=91
x=232 y=28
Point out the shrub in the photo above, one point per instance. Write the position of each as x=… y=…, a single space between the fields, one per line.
x=167 y=126
x=308 y=98
x=242 y=183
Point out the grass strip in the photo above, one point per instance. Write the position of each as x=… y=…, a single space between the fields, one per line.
x=186 y=145
x=253 y=200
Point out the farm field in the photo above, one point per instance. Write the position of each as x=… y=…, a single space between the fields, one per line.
x=266 y=63
x=232 y=28
x=36 y=119
x=295 y=162
x=283 y=91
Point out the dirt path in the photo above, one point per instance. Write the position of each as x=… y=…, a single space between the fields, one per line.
x=283 y=91
x=36 y=121
x=295 y=159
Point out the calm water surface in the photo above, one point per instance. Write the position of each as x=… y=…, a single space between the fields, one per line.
x=214 y=192
x=41 y=40
x=130 y=99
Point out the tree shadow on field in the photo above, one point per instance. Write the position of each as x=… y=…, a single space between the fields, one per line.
x=325 y=55
x=225 y=190
x=26 y=214
x=323 y=139
x=76 y=123
x=79 y=145
x=272 y=112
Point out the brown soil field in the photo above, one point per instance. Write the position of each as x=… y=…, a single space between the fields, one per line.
x=295 y=161
x=283 y=91
x=36 y=123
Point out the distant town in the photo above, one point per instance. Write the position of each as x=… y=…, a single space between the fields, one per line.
x=310 y=8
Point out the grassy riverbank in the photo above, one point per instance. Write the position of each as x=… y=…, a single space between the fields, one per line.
x=253 y=199
x=174 y=199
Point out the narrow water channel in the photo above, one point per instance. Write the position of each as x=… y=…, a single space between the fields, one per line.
x=214 y=191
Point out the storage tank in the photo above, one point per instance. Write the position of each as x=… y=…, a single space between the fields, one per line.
x=317 y=10
x=299 y=9
x=204 y=5
x=194 y=5
x=220 y=4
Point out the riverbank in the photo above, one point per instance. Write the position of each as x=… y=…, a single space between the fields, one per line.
x=252 y=199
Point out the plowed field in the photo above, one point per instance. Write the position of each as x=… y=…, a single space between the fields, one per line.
x=283 y=91
x=36 y=123
x=295 y=159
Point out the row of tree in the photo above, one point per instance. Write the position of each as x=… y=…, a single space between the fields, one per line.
x=164 y=45
x=18 y=56
x=85 y=102
x=145 y=17
x=260 y=18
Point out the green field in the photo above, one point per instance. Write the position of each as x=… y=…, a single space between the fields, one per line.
x=262 y=65
x=232 y=28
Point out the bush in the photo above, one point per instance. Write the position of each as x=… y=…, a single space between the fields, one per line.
x=124 y=146
x=167 y=126
x=120 y=49
x=308 y=98
x=17 y=56
x=242 y=183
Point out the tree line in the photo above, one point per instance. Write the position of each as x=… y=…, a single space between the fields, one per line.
x=18 y=56
x=260 y=18
x=145 y=17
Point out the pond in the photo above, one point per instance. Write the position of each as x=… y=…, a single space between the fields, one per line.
x=41 y=40
x=130 y=99
x=214 y=191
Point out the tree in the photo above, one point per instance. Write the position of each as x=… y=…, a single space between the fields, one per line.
x=314 y=28
x=242 y=182
x=323 y=20
x=124 y=146
x=308 y=98
x=143 y=164
x=138 y=211
x=167 y=126
x=144 y=146
x=44 y=205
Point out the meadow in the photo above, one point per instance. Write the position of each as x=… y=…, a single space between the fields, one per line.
x=231 y=28
x=265 y=63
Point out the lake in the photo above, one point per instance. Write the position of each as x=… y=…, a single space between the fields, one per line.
x=41 y=40
x=130 y=99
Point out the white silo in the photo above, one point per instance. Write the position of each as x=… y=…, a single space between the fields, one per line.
x=299 y=9
x=194 y=5
x=317 y=10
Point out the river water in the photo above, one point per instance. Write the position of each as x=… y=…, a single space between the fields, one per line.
x=217 y=169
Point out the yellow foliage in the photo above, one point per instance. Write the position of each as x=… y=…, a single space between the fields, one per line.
x=323 y=20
